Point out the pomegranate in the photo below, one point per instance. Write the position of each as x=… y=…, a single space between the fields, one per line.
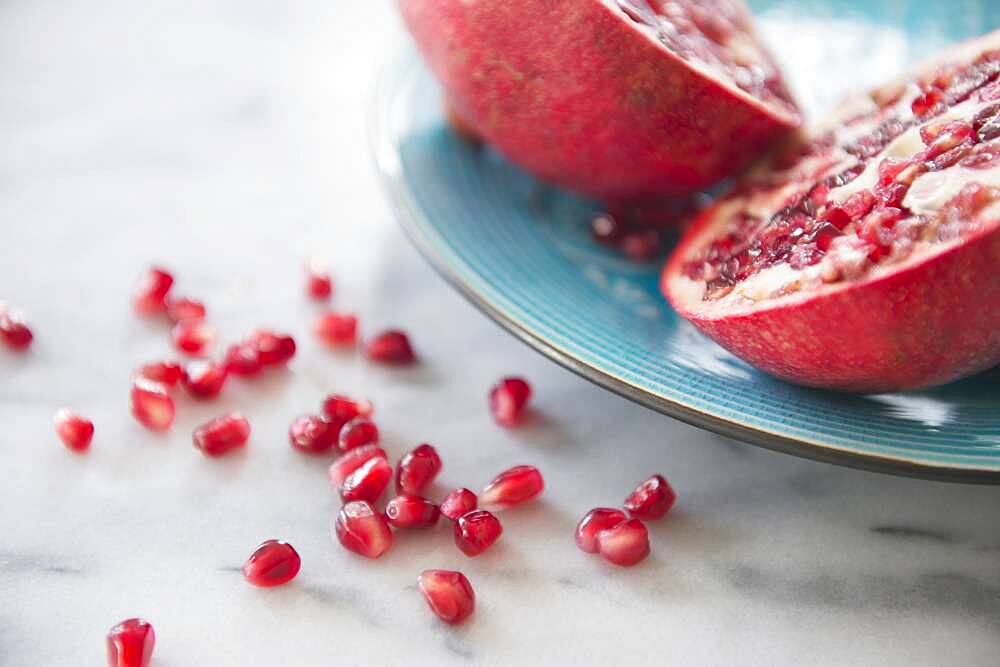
x=342 y=468
x=458 y=502
x=508 y=400
x=476 y=531
x=652 y=499
x=342 y=409
x=193 y=337
x=273 y=563
x=273 y=348
x=512 y=487
x=408 y=511
x=312 y=434
x=319 y=284
x=595 y=521
x=417 y=469
x=75 y=431
x=620 y=99
x=151 y=405
x=166 y=373
x=449 y=594
x=242 y=359
x=358 y=432
x=14 y=331
x=150 y=294
x=362 y=530
x=391 y=347
x=336 y=329
x=204 y=379
x=865 y=258
x=367 y=481
x=625 y=543
x=222 y=435
x=182 y=309
x=130 y=643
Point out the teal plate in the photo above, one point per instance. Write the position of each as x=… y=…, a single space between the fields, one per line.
x=521 y=252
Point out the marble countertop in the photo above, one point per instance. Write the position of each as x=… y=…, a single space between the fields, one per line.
x=227 y=141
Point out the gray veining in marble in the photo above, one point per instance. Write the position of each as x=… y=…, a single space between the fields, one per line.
x=226 y=139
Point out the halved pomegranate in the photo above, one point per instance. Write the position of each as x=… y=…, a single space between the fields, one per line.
x=621 y=99
x=865 y=259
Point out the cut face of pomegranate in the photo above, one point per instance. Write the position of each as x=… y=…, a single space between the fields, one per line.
x=75 y=431
x=884 y=220
x=408 y=511
x=14 y=331
x=512 y=487
x=458 y=502
x=336 y=330
x=625 y=544
x=417 y=469
x=596 y=520
x=193 y=337
x=367 y=481
x=312 y=434
x=204 y=379
x=476 y=531
x=342 y=468
x=271 y=564
x=222 y=434
x=508 y=399
x=151 y=405
x=150 y=295
x=449 y=594
x=708 y=100
x=358 y=432
x=179 y=310
x=130 y=643
x=652 y=499
x=363 y=530
x=391 y=347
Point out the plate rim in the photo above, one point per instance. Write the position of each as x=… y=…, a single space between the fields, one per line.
x=408 y=214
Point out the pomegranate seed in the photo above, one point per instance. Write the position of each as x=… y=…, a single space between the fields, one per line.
x=151 y=405
x=342 y=468
x=273 y=348
x=336 y=330
x=606 y=229
x=458 y=502
x=408 y=511
x=508 y=399
x=417 y=469
x=358 y=432
x=342 y=409
x=179 y=310
x=273 y=563
x=390 y=347
x=368 y=481
x=651 y=499
x=243 y=359
x=150 y=295
x=596 y=520
x=312 y=434
x=193 y=337
x=222 y=434
x=512 y=487
x=625 y=544
x=363 y=530
x=927 y=102
x=130 y=643
x=75 y=431
x=449 y=594
x=204 y=379
x=476 y=531
x=166 y=373
x=987 y=123
x=14 y=331
x=319 y=285
x=641 y=245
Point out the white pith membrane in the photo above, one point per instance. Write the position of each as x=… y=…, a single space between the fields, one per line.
x=716 y=39
x=947 y=200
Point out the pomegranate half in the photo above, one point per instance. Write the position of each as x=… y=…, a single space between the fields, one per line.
x=867 y=258
x=619 y=99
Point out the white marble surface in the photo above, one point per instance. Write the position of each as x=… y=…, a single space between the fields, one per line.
x=226 y=139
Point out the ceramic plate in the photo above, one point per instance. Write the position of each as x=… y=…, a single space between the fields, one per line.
x=521 y=252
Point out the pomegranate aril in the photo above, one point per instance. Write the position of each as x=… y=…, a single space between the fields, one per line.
x=368 y=481
x=449 y=594
x=14 y=332
x=417 y=469
x=150 y=295
x=927 y=103
x=319 y=285
x=476 y=531
x=508 y=399
x=390 y=347
x=363 y=530
x=987 y=123
x=151 y=405
x=342 y=468
x=273 y=348
x=458 y=502
x=243 y=359
x=625 y=544
x=312 y=434
x=358 y=432
x=606 y=229
x=75 y=431
x=273 y=563
x=641 y=245
x=131 y=643
x=652 y=499
x=222 y=434
x=166 y=373
x=193 y=337
x=336 y=330
x=941 y=137
x=204 y=379
x=179 y=310
x=411 y=511
x=950 y=157
x=512 y=487
x=596 y=520
x=342 y=409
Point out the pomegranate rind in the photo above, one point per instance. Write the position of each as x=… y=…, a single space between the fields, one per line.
x=587 y=99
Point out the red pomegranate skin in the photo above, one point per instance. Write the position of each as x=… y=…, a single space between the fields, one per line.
x=576 y=93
